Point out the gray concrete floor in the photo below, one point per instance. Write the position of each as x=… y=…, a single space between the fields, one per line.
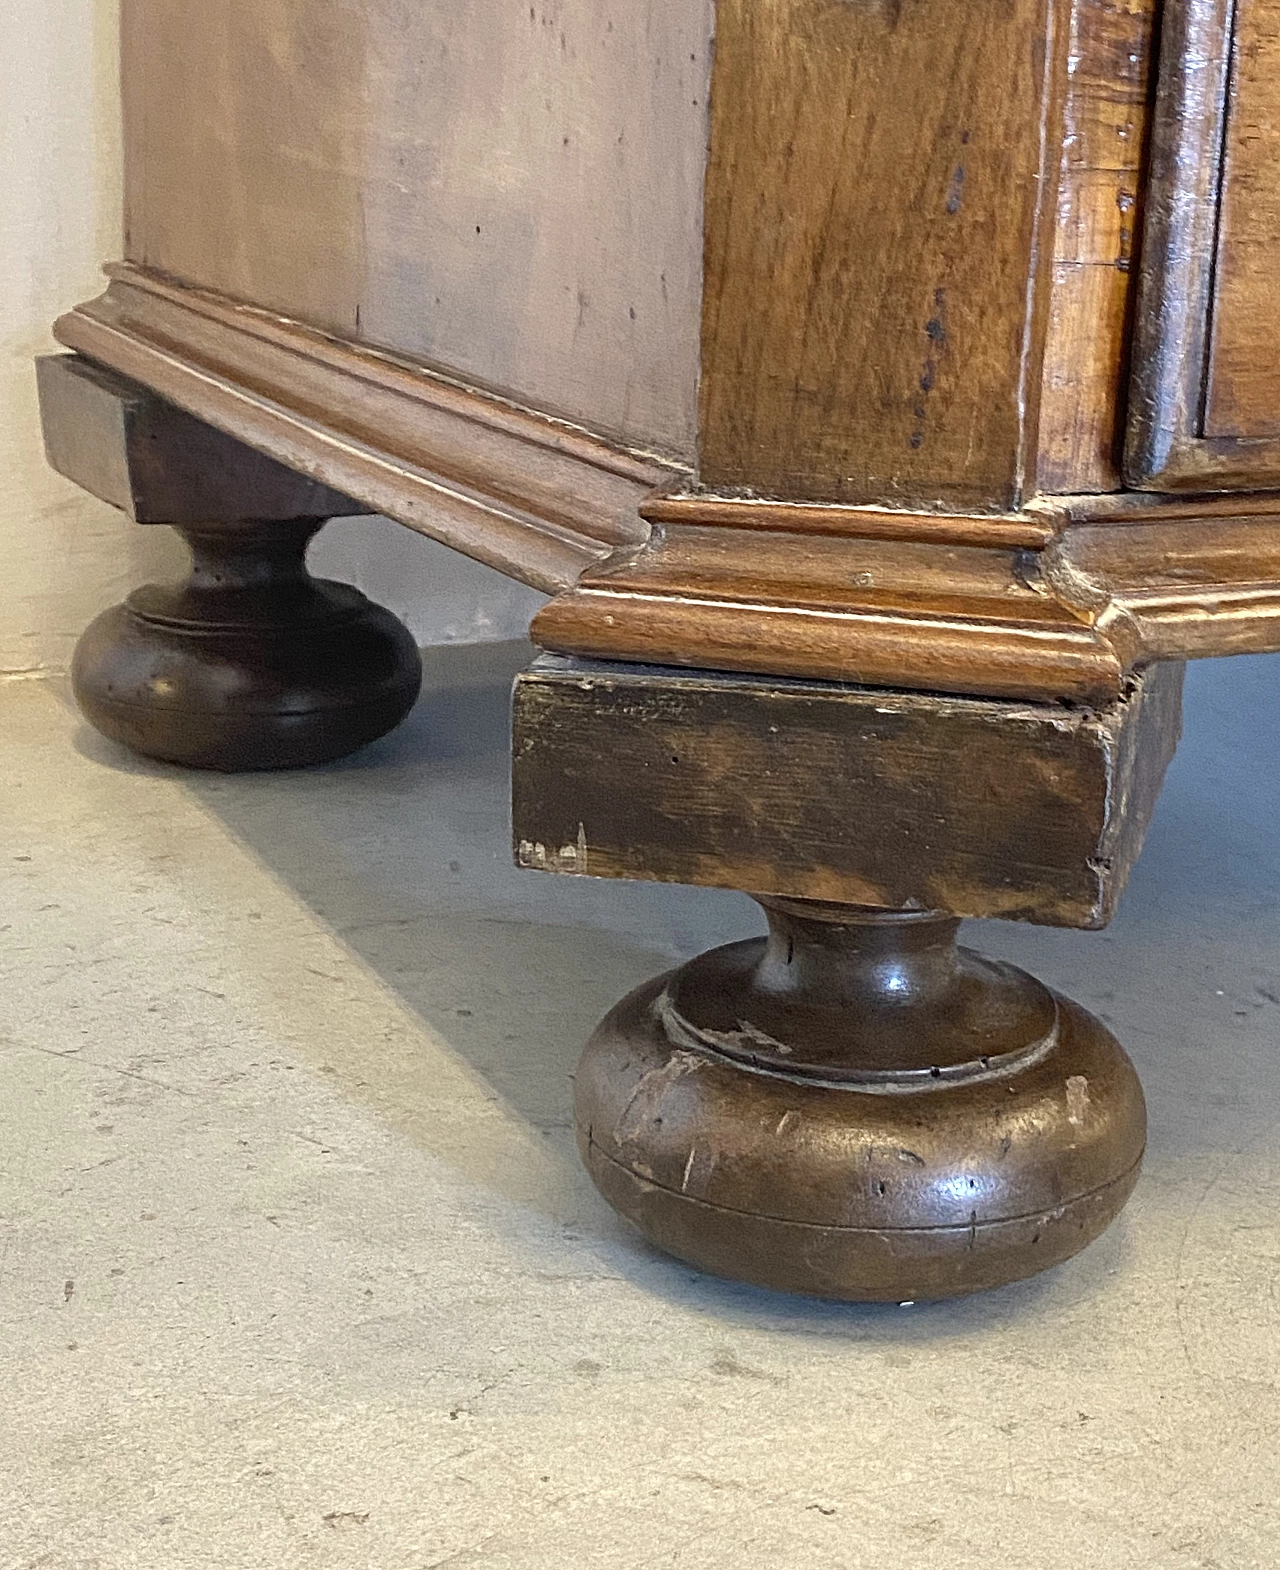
x=298 y=1267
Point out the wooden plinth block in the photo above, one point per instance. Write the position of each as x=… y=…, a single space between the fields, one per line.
x=853 y=795
x=251 y=663
x=853 y=1107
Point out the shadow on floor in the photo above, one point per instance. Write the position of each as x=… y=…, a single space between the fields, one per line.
x=404 y=852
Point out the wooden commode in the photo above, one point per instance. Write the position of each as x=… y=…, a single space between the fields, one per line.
x=883 y=392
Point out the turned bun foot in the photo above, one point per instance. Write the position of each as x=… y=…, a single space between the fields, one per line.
x=857 y=1108
x=251 y=664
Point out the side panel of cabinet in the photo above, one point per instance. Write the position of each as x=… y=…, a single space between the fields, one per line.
x=1205 y=403
x=510 y=192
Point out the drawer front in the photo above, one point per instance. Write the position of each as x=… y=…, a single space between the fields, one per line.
x=1205 y=403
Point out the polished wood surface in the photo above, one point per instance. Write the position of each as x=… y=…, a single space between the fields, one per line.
x=856 y=1108
x=941 y=618
x=1242 y=394
x=475 y=186
x=250 y=663
x=859 y=346
x=1207 y=216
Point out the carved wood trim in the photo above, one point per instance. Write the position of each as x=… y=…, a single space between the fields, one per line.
x=1061 y=600
x=535 y=497
x=1122 y=583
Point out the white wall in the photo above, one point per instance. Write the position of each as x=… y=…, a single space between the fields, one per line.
x=63 y=556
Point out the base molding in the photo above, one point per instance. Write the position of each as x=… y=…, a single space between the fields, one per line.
x=536 y=497
x=1061 y=599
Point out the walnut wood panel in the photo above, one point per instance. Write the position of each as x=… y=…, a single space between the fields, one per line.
x=881 y=612
x=534 y=497
x=879 y=190
x=1243 y=394
x=840 y=794
x=1169 y=446
x=1095 y=245
x=1115 y=583
x=513 y=191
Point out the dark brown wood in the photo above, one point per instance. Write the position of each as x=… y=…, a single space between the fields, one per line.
x=1192 y=242
x=880 y=187
x=836 y=793
x=856 y=1108
x=251 y=663
x=121 y=443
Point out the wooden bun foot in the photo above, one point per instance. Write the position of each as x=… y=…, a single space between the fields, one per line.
x=857 y=1108
x=251 y=664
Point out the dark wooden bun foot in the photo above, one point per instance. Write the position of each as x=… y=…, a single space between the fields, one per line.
x=251 y=664
x=857 y=1108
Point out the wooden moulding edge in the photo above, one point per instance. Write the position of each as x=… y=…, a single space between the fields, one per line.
x=534 y=497
x=556 y=507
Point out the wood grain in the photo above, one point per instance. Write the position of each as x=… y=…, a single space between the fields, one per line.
x=1086 y=363
x=879 y=191
x=895 y=613
x=511 y=191
x=532 y=496
x=1027 y=529
x=1174 y=587
x=1167 y=447
x=1242 y=397
x=841 y=794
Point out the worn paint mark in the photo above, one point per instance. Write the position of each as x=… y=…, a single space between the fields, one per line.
x=533 y=856
x=1077 y=1099
x=935 y=330
x=745 y=1038
x=634 y=1119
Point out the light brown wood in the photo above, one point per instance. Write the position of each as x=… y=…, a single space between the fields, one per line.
x=865 y=523
x=1242 y=397
x=1086 y=363
x=1173 y=588
x=878 y=612
x=532 y=496
x=880 y=188
x=1190 y=193
x=512 y=191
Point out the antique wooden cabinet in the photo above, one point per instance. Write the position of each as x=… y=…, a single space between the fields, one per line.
x=885 y=393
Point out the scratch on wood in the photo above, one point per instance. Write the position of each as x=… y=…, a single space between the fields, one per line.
x=1077 y=1099
x=533 y=856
